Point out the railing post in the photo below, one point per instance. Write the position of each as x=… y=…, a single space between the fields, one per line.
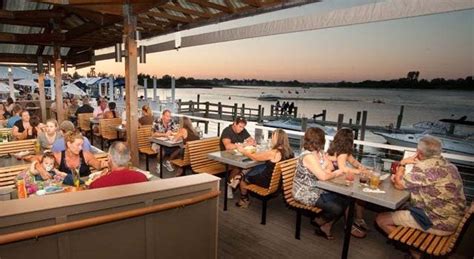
x=271 y=110
x=324 y=115
x=234 y=111
x=218 y=129
x=295 y=112
x=179 y=106
x=340 y=119
x=259 y=116
x=362 y=130
x=206 y=115
x=242 y=112
x=400 y=117
x=263 y=114
x=191 y=107
x=219 y=110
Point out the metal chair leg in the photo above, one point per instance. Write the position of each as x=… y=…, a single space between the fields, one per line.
x=264 y=211
x=298 y=224
x=147 y=158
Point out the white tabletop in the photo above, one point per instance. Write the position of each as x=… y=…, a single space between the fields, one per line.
x=231 y=158
x=392 y=198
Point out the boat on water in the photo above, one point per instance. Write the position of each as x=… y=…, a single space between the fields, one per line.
x=292 y=124
x=268 y=97
x=450 y=144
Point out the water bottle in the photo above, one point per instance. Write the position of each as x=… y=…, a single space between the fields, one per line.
x=77 y=181
x=199 y=131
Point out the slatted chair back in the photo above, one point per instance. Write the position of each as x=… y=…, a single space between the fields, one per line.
x=5 y=131
x=429 y=243
x=106 y=128
x=185 y=161
x=198 y=150
x=17 y=146
x=144 y=135
x=83 y=121
x=8 y=175
x=274 y=182
x=288 y=170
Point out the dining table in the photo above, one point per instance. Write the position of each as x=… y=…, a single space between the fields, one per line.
x=165 y=142
x=233 y=158
x=8 y=161
x=386 y=195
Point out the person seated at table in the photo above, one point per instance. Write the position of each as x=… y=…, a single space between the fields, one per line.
x=85 y=108
x=164 y=127
x=111 y=113
x=340 y=153
x=261 y=175
x=36 y=126
x=50 y=134
x=4 y=114
x=147 y=116
x=59 y=145
x=185 y=133
x=74 y=158
x=48 y=163
x=10 y=105
x=101 y=109
x=15 y=116
x=313 y=166
x=23 y=128
x=72 y=109
x=232 y=134
x=119 y=172
x=437 y=201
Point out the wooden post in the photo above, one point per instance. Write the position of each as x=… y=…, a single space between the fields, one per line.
x=295 y=112
x=154 y=88
x=179 y=106
x=259 y=115
x=234 y=112
x=350 y=122
x=58 y=83
x=206 y=115
x=242 y=112
x=198 y=100
x=362 y=130
x=131 y=82
x=263 y=114
x=272 y=108
x=10 y=83
x=145 y=87
x=42 y=95
x=400 y=117
x=191 y=107
x=356 y=134
x=219 y=110
x=340 y=119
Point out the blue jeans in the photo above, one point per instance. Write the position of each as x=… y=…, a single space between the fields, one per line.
x=332 y=204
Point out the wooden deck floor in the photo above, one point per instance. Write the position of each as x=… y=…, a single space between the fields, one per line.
x=242 y=236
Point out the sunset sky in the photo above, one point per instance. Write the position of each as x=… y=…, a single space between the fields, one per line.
x=438 y=46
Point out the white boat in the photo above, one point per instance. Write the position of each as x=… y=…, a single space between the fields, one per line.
x=435 y=127
x=450 y=144
x=268 y=97
x=295 y=125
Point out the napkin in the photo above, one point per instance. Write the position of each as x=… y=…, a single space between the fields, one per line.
x=372 y=190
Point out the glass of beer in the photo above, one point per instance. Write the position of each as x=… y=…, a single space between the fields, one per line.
x=375 y=180
x=364 y=178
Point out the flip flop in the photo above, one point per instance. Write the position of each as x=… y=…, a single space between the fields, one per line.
x=358 y=232
x=319 y=232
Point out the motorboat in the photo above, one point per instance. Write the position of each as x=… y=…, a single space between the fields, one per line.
x=292 y=124
x=450 y=144
x=268 y=97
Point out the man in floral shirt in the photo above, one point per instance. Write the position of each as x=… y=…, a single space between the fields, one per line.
x=437 y=201
x=163 y=127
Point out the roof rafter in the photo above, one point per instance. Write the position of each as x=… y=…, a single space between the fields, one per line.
x=205 y=3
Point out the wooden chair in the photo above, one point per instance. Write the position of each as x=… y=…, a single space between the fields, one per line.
x=17 y=146
x=198 y=151
x=106 y=130
x=428 y=243
x=183 y=162
x=144 y=145
x=288 y=169
x=8 y=175
x=83 y=122
x=264 y=194
x=5 y=131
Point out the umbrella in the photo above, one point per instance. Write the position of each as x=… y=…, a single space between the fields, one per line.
x=73 y=89
x=26 y=82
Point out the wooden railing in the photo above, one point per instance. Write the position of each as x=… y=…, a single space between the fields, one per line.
x=84 y=223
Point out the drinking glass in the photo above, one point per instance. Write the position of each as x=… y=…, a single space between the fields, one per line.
x=375 y=180
x=364 y=178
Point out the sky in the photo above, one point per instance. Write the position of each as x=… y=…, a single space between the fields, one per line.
x=440 y=45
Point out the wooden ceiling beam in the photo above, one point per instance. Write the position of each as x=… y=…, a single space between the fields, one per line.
x=166 y=15
x=205 y=3
x=178 y=8
x=96 y=2
x=253 y=3
x=35 y=14
x=23 y=58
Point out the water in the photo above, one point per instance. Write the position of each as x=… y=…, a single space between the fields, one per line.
x=420 y=105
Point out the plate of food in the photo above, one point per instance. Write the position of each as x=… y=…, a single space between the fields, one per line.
x=21 y=154
x=53 y=189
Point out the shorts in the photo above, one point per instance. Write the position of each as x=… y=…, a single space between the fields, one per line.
x=404 y=218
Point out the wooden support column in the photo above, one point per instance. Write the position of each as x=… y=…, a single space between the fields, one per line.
x=58 y=84
x=129 y=28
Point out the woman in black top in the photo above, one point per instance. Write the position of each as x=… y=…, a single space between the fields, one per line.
x=261 y=175
x=185 y=133
x=22 y=129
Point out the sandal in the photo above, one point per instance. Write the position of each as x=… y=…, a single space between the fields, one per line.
x=243 y=202
x=361 y=224
x=319 y=232
x=358 y=232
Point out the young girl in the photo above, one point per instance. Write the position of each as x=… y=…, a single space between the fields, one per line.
x=340 y=153
x=48 y=163
x=261 y=175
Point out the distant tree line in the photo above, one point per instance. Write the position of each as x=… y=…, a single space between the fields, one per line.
x=411 y=81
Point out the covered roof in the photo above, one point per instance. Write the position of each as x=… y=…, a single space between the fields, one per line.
x=30 y=28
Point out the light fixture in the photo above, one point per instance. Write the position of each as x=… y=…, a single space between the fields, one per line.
x=177 y=40
x=142 y=52
x=9 y=70
x=118 y=52
x=65 y=65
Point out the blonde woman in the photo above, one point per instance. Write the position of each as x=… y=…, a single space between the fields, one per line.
x=147 y=116
x=261 y=175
